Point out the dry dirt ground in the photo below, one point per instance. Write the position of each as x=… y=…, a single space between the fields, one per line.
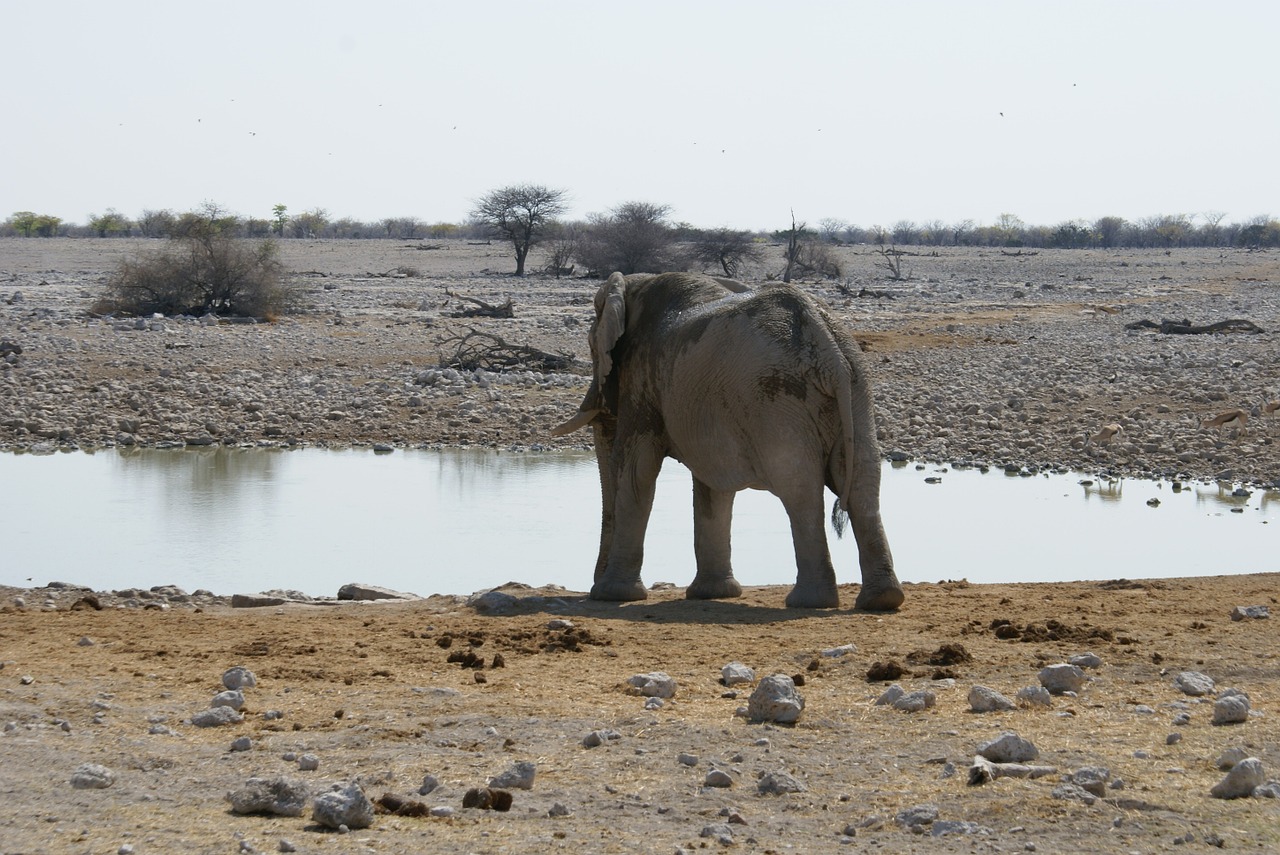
x=980 y=355
x=369 y=691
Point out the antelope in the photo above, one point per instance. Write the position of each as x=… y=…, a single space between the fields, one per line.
x=1238 y=419
x=1105 y=434
x=1270 y=407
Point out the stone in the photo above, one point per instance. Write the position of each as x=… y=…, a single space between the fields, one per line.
x=890 y=695
x=1086 y=660
x=944 y=827
x=1035 y=696
x=244 y=743
x=596 y=738
x=275 y=796
x=308 y=763
x=1194 y=683
x=365 y=593
x=1062 y=678
x=720 y=832
x=718 y=778
x=735 y=673
x=655 y=684
x=917 y=816
x=347 y=805
x=842 y=650
x=429 y=785
x=216 y=717
x=1231 y=757
x=229 y=698
x=255 y=601
x=1008 y=747
x=1241 y=781
x=983 y=699
x=238 y=678
x=1231 y=709
x=686 y=759
x=917 y=701
x=1093 y=779
x=518 y=777
x=91 y=776
x=775 y=699
x=778 y=784
x=494 y=603
x=1250 y=613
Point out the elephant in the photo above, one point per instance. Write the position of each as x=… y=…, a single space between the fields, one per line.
x=748 y=389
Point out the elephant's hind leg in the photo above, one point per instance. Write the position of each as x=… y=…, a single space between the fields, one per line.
x=815 y=576
x=712 y=519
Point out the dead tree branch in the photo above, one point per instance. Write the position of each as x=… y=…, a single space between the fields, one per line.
x=481 y=309
x=480 y=350
x=1185 y=327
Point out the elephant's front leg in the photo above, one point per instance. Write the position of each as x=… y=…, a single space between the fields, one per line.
x=634 y=478
x=712 y=521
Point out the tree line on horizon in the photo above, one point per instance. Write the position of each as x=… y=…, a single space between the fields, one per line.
x=500 y=208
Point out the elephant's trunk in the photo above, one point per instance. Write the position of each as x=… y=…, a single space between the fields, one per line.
x=604 y=430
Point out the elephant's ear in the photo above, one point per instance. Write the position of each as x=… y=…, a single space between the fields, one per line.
x=611 y=322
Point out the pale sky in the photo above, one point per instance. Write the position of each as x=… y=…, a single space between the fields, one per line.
x=731 y=113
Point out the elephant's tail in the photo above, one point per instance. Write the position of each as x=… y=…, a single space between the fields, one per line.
x=840 y=370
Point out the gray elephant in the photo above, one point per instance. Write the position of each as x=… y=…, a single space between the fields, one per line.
x=747 y=389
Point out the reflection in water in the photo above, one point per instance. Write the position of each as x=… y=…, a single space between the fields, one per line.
x=461 y=521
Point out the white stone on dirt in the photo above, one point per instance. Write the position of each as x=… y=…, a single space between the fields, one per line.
x=276 y=796
x=653 y=703
x=779 y=783
x=1094 y=779
x=1062 y=678
x=229 y=698
x=686 y=759
x=244 y=743
x=718 y=778
x=775 y=699
x=983 y=699
x=1008 y=747
x=1241 y=781
x=493 y=603
x=518 y=777
x=596 y=738
x=1086 y=660
x=239 y=677
x=1231 y=757
x=655 y=684
x=347 y=805
x=1231 y=709
x=890 y=695
x=842 y=650
x=917 y=701
x=430 y=783
x=1250 y=613
x=735 y=673
x=366 y=593
x=85 y=641
x=1194 y=683
x=1033 y=696
x=216 y=717
x=92 y=776
x=917 y=816
x=308 y=763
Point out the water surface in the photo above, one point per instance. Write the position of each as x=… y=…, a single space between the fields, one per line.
x=242 y=521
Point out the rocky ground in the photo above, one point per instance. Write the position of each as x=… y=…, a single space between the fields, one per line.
x=383 y=695
x=982 y=355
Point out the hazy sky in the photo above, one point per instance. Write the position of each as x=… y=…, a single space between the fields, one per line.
x=732 y=113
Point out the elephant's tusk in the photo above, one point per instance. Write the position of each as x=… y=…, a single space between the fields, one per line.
x=582 y=419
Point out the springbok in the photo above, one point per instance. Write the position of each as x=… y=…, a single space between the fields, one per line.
x=1237 y=419
x=1105 y=434
x=1270 y=407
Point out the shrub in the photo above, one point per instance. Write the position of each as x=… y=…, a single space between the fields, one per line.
x=200 y=273
x=632 y=238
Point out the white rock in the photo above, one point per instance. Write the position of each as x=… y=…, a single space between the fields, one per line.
x=1231 y=709
x=1194 y=683
x=778 y=784
x=238 y=678
x=1035 y=696
x=718 y=778
x=918 y=701
x=216 y=716
x=518 y=777
x=983 y=699
x=347 y=806
x=890 y=695
x=1240 y=782
x=735 y=673
x=276 y=796
x=1062 y=678
x=229 y=698
x=1008 y=747
x=91 y=776
x=655 y=684
x=775 y=699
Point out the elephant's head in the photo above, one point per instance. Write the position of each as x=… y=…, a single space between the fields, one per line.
x=610 y=323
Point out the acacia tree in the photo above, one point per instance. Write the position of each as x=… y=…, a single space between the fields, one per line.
x=521 y=214
x=632 y=238
x=729 y=248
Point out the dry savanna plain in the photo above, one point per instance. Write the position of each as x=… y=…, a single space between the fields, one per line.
x=980 y=357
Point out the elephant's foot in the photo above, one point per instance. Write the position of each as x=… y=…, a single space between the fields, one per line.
x=718 y=588
x=882 y=598
x=820 y=597
x=619 y=592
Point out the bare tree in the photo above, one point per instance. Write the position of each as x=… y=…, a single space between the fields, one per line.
x=728 y=248
x=632 y=238
x=521 y=214
x=792 y=237
x=831 y=228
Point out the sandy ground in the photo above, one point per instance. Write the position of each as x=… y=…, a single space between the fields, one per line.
x=368 y=690
x=980 y=356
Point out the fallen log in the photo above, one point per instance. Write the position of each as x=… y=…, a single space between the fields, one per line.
x=481 y=309
x=1185 y=327
x=475 y=349
x=983 y=771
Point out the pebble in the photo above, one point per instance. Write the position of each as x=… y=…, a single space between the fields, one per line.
x=518 y=777
x=345 y=806
x=92 y=776
x=1194 y=683
x=983 y=700
x=735 y=673
x=718 y=778
x=276 y=796
x=239 y=677
x=775 y=699
x=596 y=738
x=308 y=763
x=779 y=783
x=656 y=684
x=216 y=717
x=1008 y=747
x=1062 y=678
x=1035 y=696
x=244 y=743
x=230 y=698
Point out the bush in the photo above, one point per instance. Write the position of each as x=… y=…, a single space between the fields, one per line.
x=632 y=238
x=200 y=274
